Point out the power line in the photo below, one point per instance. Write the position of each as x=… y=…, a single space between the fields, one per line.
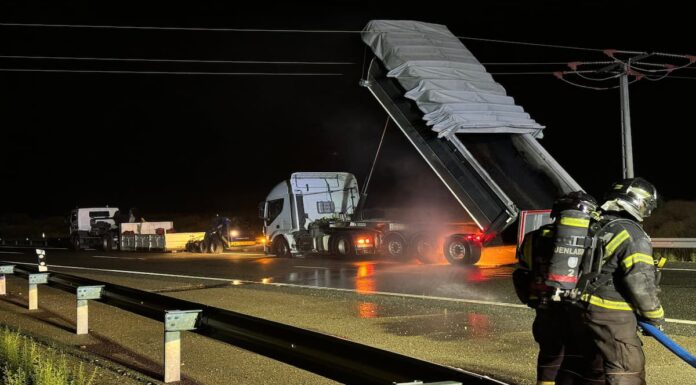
x=171 y=72
x=207 y=29
x=171 y=60
x=266 y=30
x=282 y=62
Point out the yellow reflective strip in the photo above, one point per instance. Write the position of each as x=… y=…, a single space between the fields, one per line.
x=546 y=382
x=575 y=222
x=615 y=242
x=661 y=262
x=546 y=232
x=639 y=191
x=637 y=258
x=659 y=313
x=605 y=303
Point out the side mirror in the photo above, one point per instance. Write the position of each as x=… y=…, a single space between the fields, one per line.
x=262 y=210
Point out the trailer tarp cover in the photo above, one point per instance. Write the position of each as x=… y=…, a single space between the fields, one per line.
x=449 y=85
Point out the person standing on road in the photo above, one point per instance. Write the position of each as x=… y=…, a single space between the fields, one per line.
x=530 y=280
x=622 y=289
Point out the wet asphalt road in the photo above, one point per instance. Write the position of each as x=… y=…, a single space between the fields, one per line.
x=466 y=317
x=489 y=281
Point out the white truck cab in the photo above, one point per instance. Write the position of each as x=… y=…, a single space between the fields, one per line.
x=312 y=212
x=91 y=225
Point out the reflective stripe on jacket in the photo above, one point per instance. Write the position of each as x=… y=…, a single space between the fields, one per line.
x=627 y=257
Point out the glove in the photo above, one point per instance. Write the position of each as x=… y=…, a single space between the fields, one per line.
x=658 y=323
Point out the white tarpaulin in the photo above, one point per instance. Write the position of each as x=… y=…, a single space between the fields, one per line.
x=449 y=85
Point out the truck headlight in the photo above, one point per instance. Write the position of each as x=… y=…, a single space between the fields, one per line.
x=234 y=233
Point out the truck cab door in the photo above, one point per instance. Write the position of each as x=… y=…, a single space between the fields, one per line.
x=278 y=217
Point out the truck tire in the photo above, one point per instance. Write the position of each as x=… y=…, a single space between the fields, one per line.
x=422 y=247
x=215 y=246
x=281 y=249
x=394 y=246
x=107 y=242
x=460 y=251
x=343 y=245
x=75 y=243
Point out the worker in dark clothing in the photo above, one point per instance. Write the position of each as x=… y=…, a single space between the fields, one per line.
x=621 y=288
x=531 y=290
x=531 y=280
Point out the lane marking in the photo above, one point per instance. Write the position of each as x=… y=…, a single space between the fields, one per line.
x=33 y=247
x=10 y=252
x=385 y=293
x=677 y=269
x=112 y=257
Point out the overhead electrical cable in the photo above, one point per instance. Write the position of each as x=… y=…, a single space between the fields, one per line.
x=31 y=57
x=327 y=31
x=171 y=72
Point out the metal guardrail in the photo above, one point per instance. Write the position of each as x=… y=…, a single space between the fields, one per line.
x=331 y=357
x=674 y=243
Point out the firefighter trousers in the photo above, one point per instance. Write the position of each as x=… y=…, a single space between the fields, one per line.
x=604 y=347
x=615 y=334
x=548 y=333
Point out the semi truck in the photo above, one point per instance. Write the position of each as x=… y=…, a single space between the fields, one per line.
x=482 y=146
x=318 y=213
x=106 y=228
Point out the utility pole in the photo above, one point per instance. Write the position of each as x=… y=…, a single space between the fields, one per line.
x=626 y=139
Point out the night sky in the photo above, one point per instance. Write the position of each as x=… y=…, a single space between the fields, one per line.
x=190 y=144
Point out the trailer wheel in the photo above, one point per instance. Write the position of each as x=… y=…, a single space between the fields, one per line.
x=343 y=245
x=460 y=251
x=281 y=249
x=423 y=248
x=395 y=246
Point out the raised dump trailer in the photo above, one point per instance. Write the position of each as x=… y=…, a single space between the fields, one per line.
x=481 y=145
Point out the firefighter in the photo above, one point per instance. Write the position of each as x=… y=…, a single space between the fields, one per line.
x=531 y=280
x=622 y=289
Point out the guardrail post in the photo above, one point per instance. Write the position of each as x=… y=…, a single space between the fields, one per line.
x=6 y=269
x=85 y=293
x=176 y=321
x=34 y=281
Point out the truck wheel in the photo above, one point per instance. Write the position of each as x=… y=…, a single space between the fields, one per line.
x=215 y=246
x=394 y=246
x=281 y=249
x=75 y=243
x=343 y=245
x=107 y=242
x=460 y=251
x=423 y=248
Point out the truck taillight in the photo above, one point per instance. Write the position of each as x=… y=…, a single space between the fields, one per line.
x=475 y=237
x=363 y=241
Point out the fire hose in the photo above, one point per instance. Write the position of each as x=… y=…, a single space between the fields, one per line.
x=668 y=343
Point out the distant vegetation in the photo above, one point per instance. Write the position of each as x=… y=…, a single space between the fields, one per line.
x=23 y=362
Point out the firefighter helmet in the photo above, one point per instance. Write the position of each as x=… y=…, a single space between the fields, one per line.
x=576 y=200
x=636 y=196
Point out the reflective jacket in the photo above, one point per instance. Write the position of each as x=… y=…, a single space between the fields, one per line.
x=627 y=280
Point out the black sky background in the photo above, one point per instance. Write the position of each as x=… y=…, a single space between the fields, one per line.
x=219 y=143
